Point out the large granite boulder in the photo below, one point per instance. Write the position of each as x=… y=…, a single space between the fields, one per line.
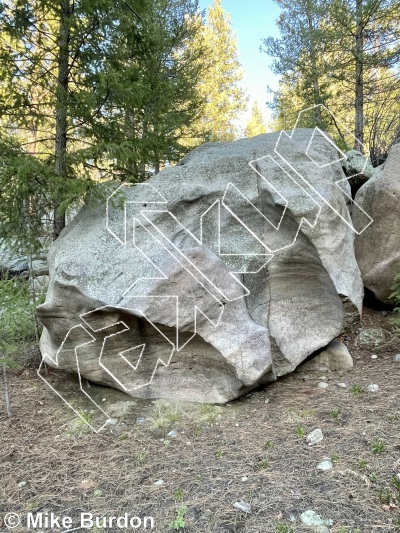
x=217 y=275
x=378 y=247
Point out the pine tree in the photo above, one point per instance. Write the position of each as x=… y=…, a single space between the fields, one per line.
x=256 y=124
x=298 y=54
x=89 y=91
x=344 y=54
x=219 y=87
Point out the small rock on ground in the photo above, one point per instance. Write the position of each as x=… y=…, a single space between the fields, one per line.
x=371 y=336
x=315 y=521
x=242 y=506
x=325 y=465
x=396 y=358
x=314 y=437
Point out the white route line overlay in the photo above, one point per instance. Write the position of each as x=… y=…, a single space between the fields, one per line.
x=158 y=198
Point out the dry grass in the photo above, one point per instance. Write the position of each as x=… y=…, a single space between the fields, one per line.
x=204 y=466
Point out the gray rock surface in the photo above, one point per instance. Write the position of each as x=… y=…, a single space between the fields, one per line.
x=333 y=358
x=10 y=261
x=325 y=465
x=378 y=247
x=315 y=522
x=373 y=336
x=250 y=258
x=14 y=263
x=315 y=437
x=356 y=163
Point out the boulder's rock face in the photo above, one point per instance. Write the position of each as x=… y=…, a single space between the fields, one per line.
x=218 y=275
x=378 y=247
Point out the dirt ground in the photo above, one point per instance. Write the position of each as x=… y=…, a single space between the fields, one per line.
x=251 y=451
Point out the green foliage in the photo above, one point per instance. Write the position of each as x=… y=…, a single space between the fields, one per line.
x=396 y=483
x=256 y=124
x=300 y=432
x=179 y=520
x=269 y=444
x=263 y=464
x=209 y=413
x=108 y=100
x=219 y=84
x=357 y=390
x=343 y=54
x=141 y=456
x=378 y=446
x=362 y=464
x=281 y=527
x=178 y=495
x=80 y=425
x=16 y=318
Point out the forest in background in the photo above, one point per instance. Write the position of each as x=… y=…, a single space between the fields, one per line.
x=345 y=55
x=100 y=91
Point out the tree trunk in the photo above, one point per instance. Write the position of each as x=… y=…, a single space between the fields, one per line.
x=359 y=89
x=62 y=109
x=315 y=80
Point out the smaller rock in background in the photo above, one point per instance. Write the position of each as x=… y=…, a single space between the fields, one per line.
x=396 y=358
x=358 y=168
x=372 y=336
x=333 y=358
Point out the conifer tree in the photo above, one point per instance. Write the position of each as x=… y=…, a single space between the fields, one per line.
x=219 y=86
x=256 y=124
x=89 y=91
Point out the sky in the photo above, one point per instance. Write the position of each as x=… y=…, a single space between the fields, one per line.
x=253 y=20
